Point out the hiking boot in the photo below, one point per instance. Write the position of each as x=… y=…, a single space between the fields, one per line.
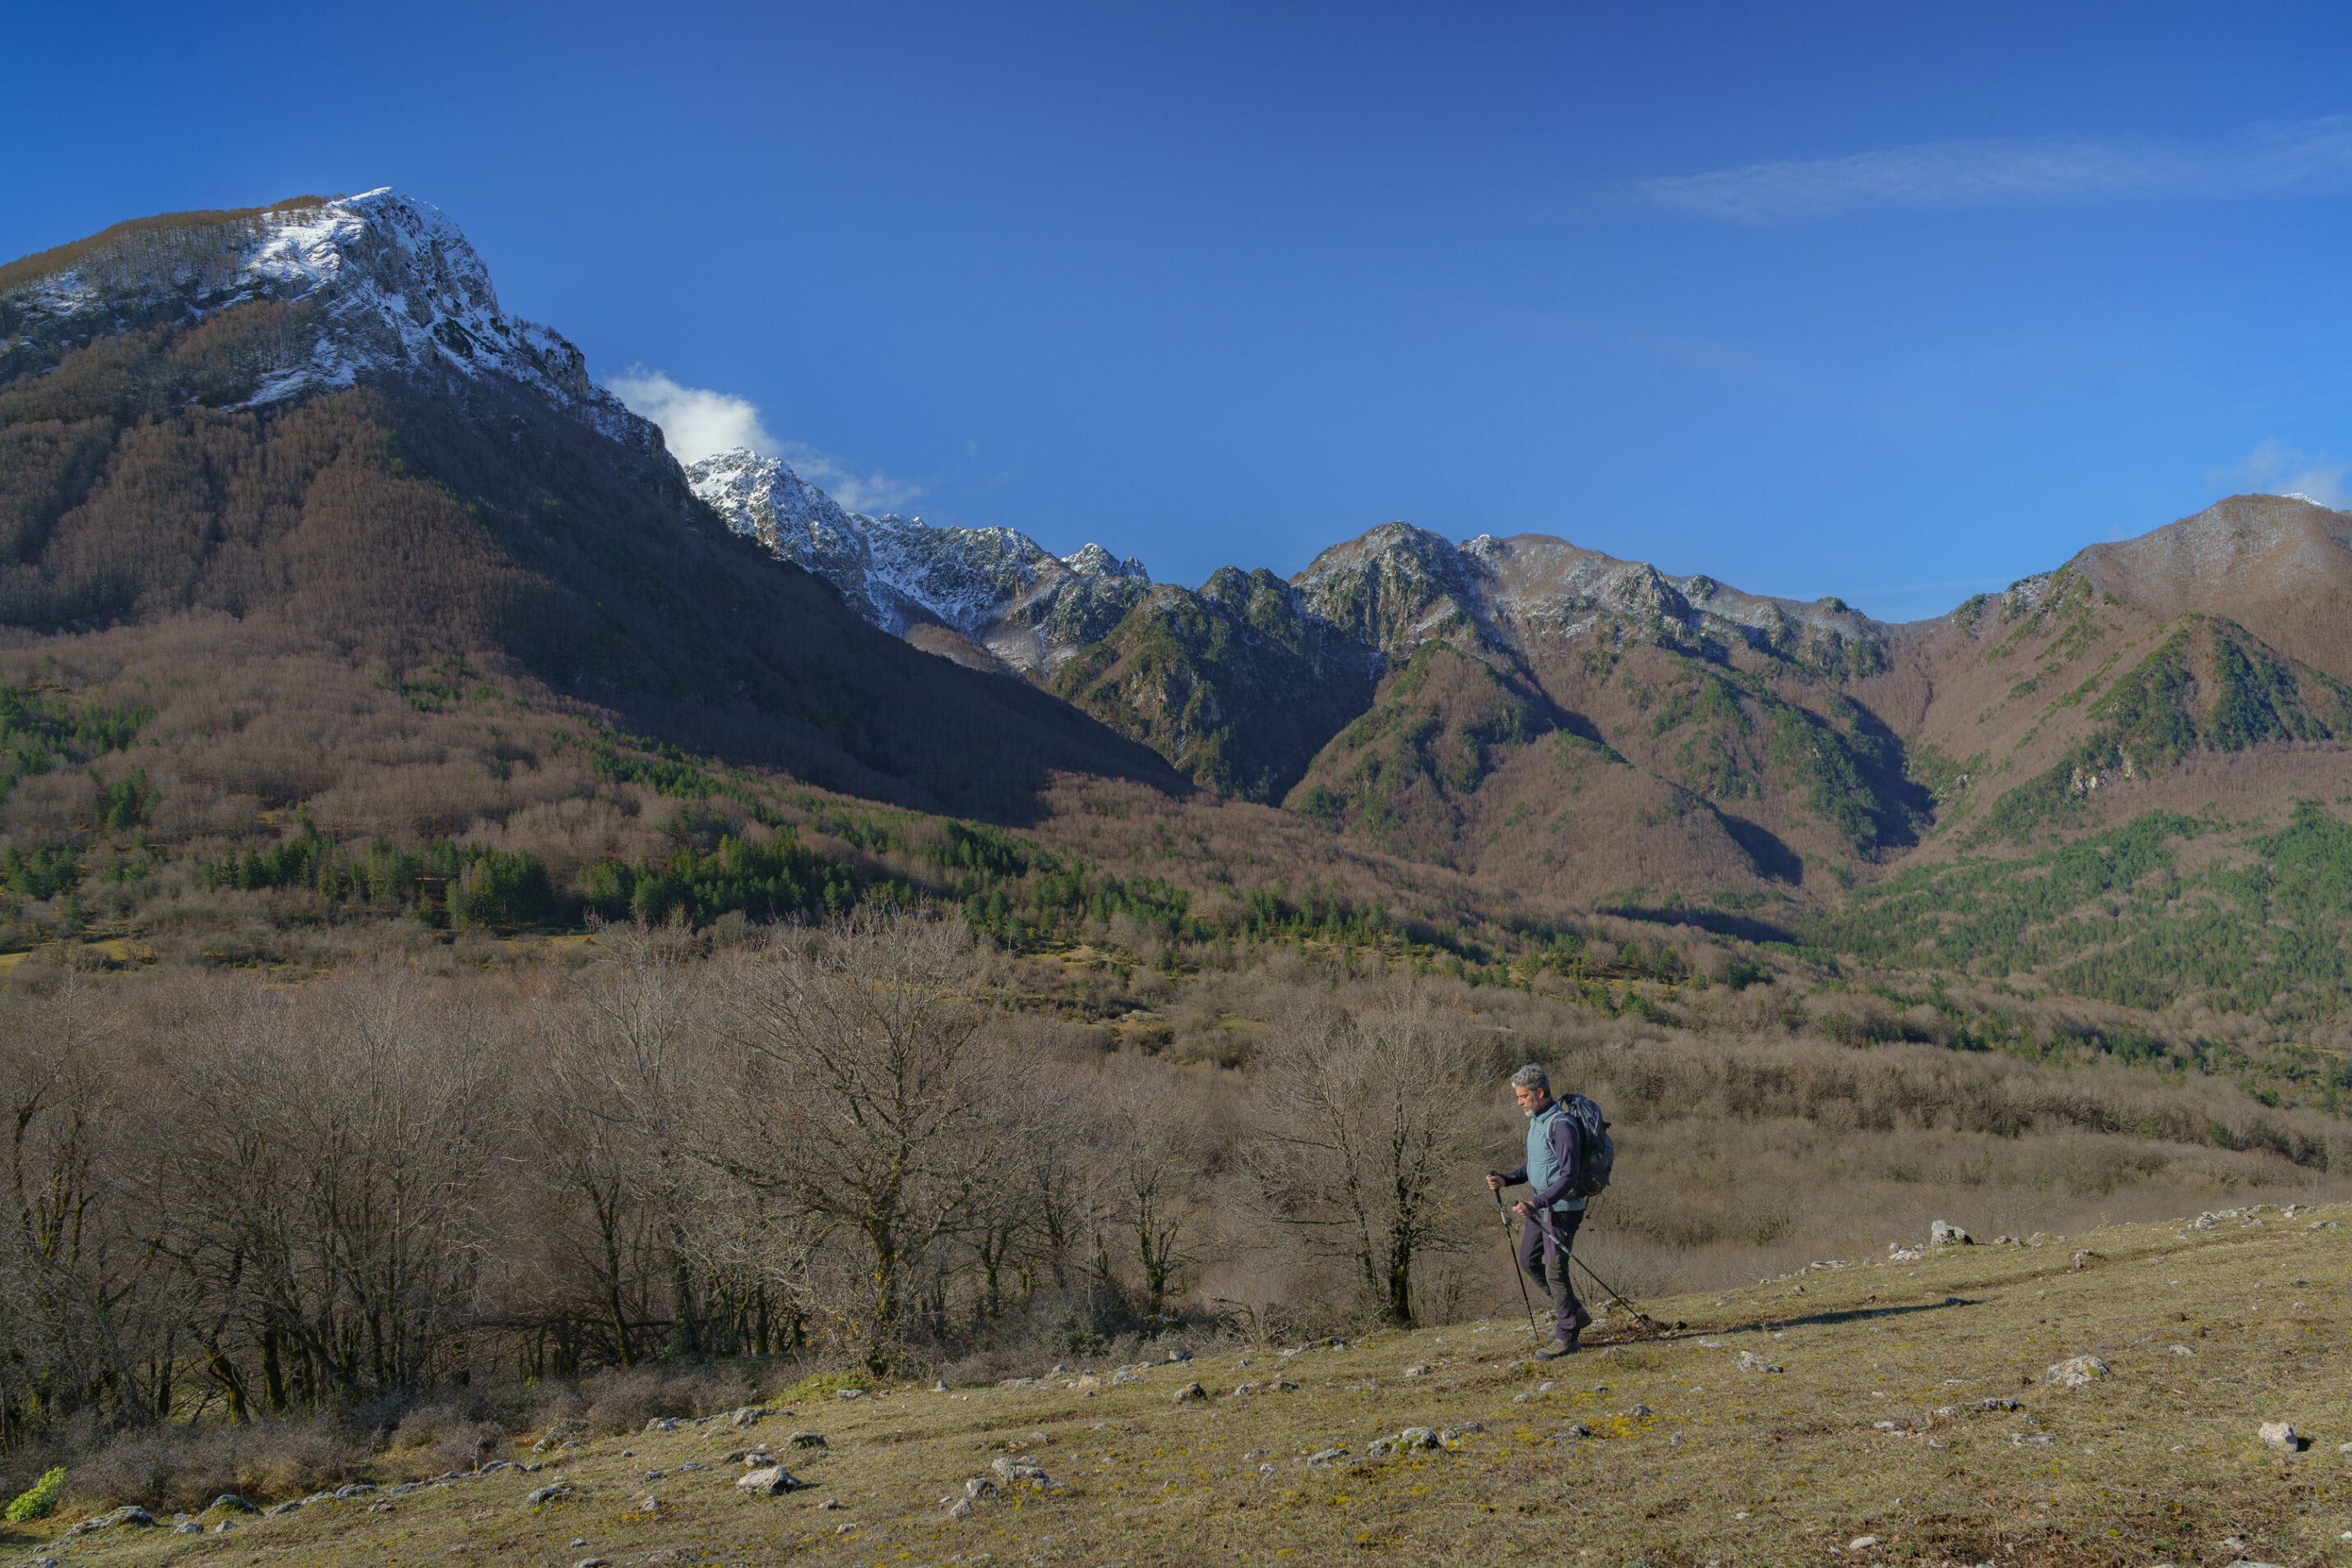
x=1583 y=1318
x=1559 y=1346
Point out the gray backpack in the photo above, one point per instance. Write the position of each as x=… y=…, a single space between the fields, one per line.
x=1596 y=1152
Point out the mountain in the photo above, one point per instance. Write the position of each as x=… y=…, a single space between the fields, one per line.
x=315 y=416
x=1035 y=609
x=1554 y=719
x=305 y=541
x=1235 y=685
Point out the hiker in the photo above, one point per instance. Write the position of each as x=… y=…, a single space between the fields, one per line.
x=1555 y=1208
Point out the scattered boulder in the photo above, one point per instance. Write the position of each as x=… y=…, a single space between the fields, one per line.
x=1322 y=1457
x=662 y=1424
x=849 y=1394
x=1752 y=1362
x=747 y=1415
x=132 y=1517
x=804 y=1440
x=355 y=1489
x=1944 y=1233
x=1994 y=1405
x=291 y=1505
x=771 y=1480
x=1189 y=1394
x=1017 y=1473
x=958 y=1508
x=2075 y=1372
x=559 y=1436
x=2280 y=1436
x=554 y=1491
x=235 y=1504
x=1410 y=1440
x=1452 y=1434
x=1419 y=1369
x=979 y=1489
x=2084 y=1259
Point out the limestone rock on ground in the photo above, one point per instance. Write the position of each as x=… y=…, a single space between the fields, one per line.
x=2075 y=1372
x=132 y=1516
x=1410 y=1440
x=1944 y=1233
x=1017 y=1472
x=2282 y=1437
x=771 y=1480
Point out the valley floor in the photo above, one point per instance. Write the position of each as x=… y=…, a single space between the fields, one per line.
x=1895 y=1411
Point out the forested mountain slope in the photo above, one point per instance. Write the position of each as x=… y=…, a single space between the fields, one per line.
x=305 y=543
x=317 y=418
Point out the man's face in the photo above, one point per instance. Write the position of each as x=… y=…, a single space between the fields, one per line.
x=1530 y=1099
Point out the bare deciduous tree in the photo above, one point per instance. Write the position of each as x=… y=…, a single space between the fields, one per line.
x=861 y=1102
x=1365 y=1138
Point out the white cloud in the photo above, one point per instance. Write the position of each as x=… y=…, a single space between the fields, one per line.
x=697 y=422
x=2312 y=156
x=874 y=492
x=2276 y=468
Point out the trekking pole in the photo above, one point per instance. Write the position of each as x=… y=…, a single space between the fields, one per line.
x=1510 y=1243
x=1615 y=1299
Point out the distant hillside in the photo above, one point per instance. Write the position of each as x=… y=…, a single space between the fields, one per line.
x=305 y=543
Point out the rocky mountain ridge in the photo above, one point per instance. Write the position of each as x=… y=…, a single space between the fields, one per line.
x=1521 y=709
x=395 y=286
x=1029 y=607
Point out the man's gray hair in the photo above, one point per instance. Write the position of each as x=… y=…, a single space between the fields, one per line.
x=1531 y=1077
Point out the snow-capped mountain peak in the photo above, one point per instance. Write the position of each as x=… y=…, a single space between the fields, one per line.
x=1092 y=561
x=996 y=585
x=398 y=288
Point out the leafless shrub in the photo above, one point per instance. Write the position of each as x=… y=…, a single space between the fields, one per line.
x=625 y=1399
x=164 y=1470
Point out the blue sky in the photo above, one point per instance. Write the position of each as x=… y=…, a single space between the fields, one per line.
x=1891 y=302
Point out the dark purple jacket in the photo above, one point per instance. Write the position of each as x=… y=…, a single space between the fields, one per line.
x=1561 y=1135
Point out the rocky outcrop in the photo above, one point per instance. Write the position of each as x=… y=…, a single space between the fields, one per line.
x=390 y=284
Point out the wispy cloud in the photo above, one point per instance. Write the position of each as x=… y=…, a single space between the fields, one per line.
x=874 y=491
x=697 y=422
x=2276 y=468
x=2309 y=157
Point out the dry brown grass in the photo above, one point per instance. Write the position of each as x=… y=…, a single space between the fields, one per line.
x=1872 y=1429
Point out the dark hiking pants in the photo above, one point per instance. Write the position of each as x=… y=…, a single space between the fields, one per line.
x=1544 y=1255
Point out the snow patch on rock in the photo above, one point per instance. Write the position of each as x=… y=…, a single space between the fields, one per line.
x=398 y=285
x=996 y=585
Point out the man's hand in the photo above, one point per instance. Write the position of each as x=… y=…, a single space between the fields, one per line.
x=1524 y=1210
x=1494 y=1182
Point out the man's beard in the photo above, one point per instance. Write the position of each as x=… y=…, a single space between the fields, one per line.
x=1526 y=1113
